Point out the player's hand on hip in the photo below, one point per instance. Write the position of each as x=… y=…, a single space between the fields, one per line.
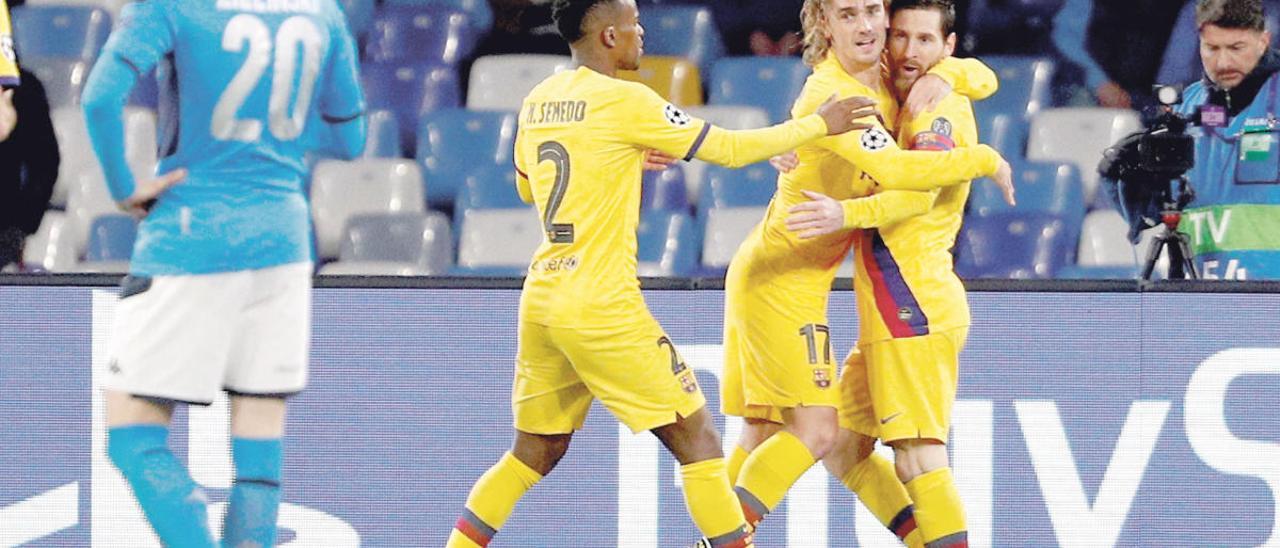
x=785 y=162
x=819 y=216
x=145 y=193
x=1004 y=179
x=926 y=94
x=657 y=160
x=840 y=115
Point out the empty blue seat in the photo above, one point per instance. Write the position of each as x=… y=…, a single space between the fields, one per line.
x=410 y=89
x=1012 y=244
x=423 y=239
x=1024 y=85
x=111 y=238
x=687 y=31
x=427 y=32
x=453 y=143
x=63 y=78
x=667 y=244
x=771 y=83
x=664 y=190
x=1005 y=132
x=750 y=186
x=1049 y=187
x=478 y=11
x=492 y=187
x=69 y=31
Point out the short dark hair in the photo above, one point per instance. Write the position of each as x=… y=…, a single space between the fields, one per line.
x=568 y=16
x=946 y=8
x=1231 y=14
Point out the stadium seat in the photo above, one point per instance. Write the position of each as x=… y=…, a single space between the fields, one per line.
x=87 y=199
x=726 y=228
x=667 y=244
x=431 y=32
x=1007 y=133
x=341 y=190
x=383 y=139
x=421 y=239
x=501 y=82
x=146 y=93
x=60 y=30
x=687 y=31
x=770 y=83
x=1079 y=135
x=498 y=242
x=676 y=80
x=63 y=78
x=1011 y=244
x=722 y=116
x=454 y=142
x=664 y=190
x=1050 y=187
x=1104 y=240
x=1024 y=85
x=478 y=11
x=111 y=238
x=52 y=248
x=750 y=186
x=410 y=89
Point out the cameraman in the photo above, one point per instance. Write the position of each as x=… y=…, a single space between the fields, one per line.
x=1234 y=220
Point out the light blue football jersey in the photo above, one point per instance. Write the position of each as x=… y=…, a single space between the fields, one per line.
x=250 y=87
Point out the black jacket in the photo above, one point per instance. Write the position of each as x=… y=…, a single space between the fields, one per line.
x=28 y=159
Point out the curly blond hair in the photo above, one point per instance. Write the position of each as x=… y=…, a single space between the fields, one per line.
x=816 y=41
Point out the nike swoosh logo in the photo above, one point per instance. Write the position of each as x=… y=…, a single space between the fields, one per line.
x=889 y=418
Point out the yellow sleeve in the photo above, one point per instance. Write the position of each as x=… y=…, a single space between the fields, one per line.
x=654 y=123
x=875 y=153
x=968 y=77
x=886 y=207
x=522 y=174
x=8 y=59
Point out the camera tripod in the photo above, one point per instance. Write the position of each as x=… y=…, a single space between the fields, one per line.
x=1175 y=198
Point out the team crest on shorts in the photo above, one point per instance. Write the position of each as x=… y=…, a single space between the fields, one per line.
x=941 y=126
x=821 y=378
x=676 y=116
x=875 y=139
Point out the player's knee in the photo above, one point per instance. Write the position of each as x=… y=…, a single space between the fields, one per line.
x=541 y=452
x=914 y=457
x=820 y=439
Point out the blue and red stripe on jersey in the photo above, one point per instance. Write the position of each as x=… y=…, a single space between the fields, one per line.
x=897 y=305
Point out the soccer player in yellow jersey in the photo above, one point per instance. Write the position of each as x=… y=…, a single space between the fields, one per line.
x=778 y=363
x=900 y=383
x=584 y=330
x=8 y=75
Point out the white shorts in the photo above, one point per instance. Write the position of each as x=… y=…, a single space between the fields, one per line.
x=185 y=338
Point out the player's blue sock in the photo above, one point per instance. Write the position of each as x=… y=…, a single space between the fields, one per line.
x=255 y=498
x=173 y=503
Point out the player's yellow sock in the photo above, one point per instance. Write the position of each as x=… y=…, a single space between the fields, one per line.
x=734 y=465
x=939 y=512
x=712 y=504
x=769 y=472
x=491 y=501
x=877 y=486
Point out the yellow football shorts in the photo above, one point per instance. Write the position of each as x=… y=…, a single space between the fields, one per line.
x=634 y=370
x=902 y=388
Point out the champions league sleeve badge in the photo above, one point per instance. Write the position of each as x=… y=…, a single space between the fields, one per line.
x=675 y=116
x=875 y=139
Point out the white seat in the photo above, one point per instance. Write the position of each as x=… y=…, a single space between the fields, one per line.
x=726 y=228
x=370 y=185
x=1078 y=136
x=52 y=247
x=725 y=117
x=103 y=267
x=1104 y=241
x=77 y=153
x=88 y=199
x=372 y=268
x=503 y=238
x=501 y=82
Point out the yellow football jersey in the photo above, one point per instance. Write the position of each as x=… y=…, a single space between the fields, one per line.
x=8 y=59
x=845 y=166
x=579 y=151
x=905 y=281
